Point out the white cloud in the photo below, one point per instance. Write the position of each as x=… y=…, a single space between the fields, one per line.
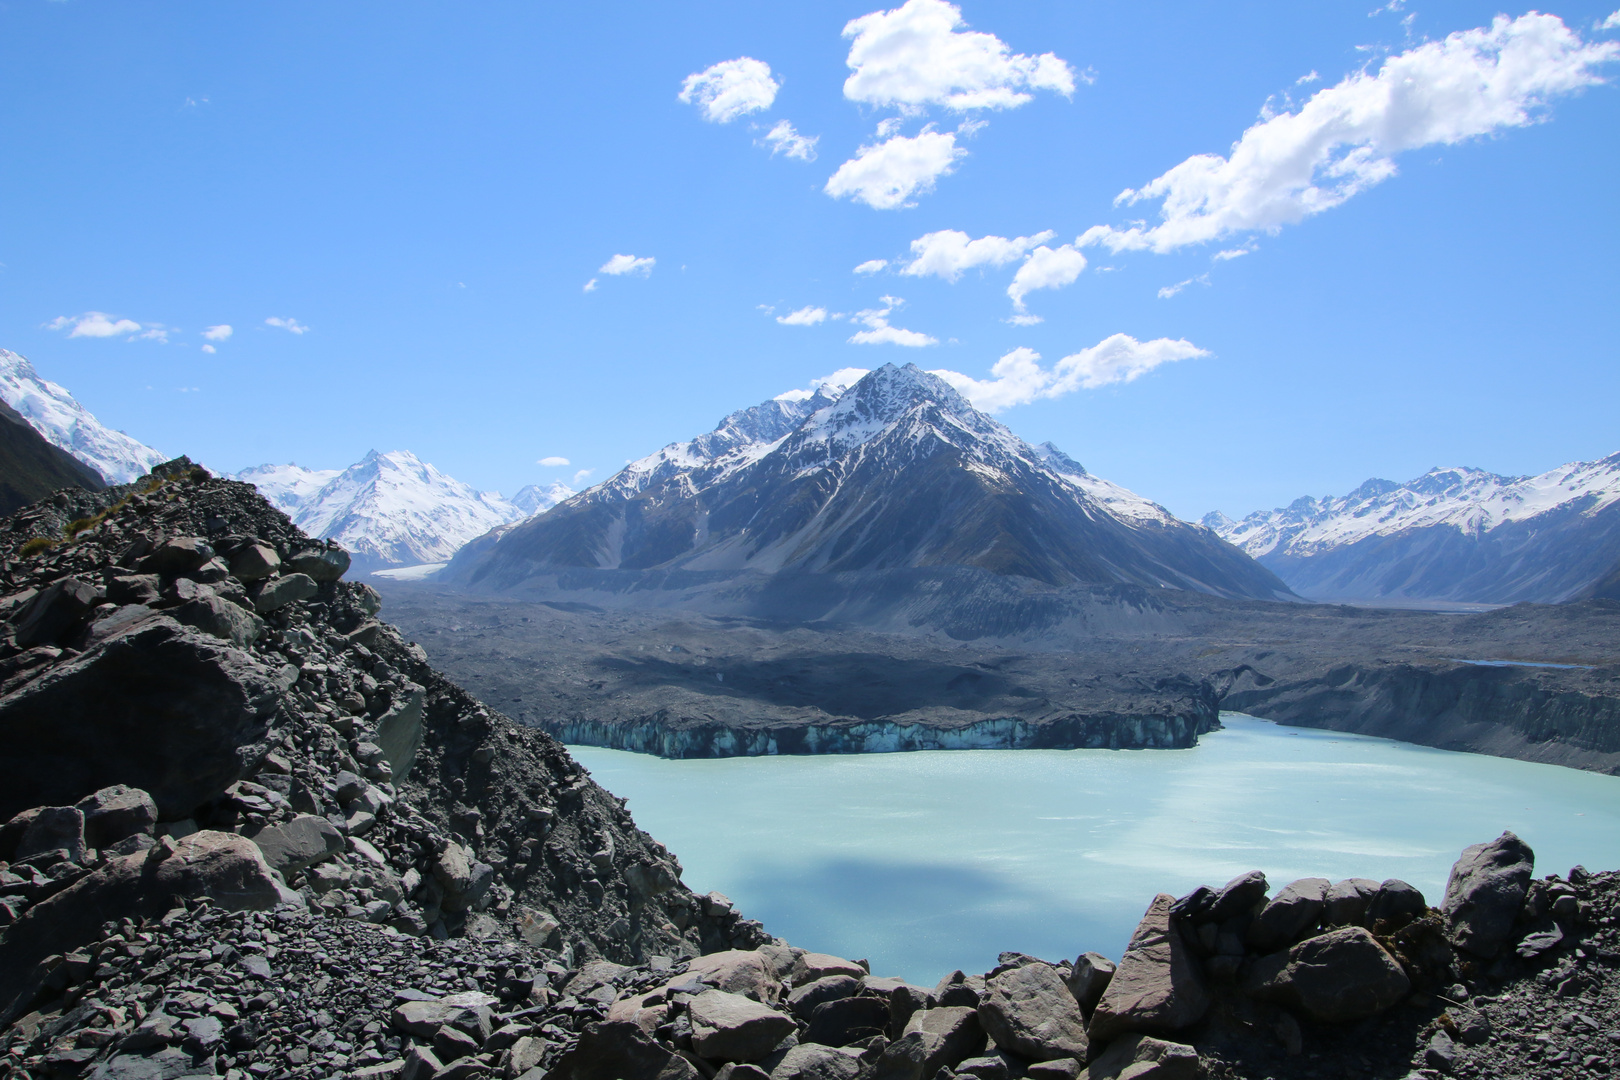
x=209 y=349
x=918 y=55
x=1046 y=268
x=949 y=252
x=805 y=316
x=884 y=175
x=842 y=379
x=1233 y=253
x=1309 y=77
x=94 y=324
x=553 y=462
x=289 y=324
x=1170 y=290
x=628 y=264
x=222 y=332
x=879 y=332
x=1611 y=23
x=730 y=89
x=155 y=332
x=871 y=266
x=590 y=286
x=1018 y=378
x=1344 y=139
x=580 y=476
x=784 y=140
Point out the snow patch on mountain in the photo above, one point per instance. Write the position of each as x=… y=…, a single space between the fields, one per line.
x=68 y=425
x=288 y=487
x=1472 y=501
x=535 y=499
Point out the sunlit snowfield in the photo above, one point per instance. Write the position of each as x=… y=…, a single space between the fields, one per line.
x=925 y=862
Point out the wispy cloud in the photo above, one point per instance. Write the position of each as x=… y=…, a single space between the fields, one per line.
x=1171 y=290
x=209 y=349
x=289 y=324
x=1346 y=137
x=628 y=264
x=730 y=89
x=871 y=266
x=949 y=253
x=805 y=316
x=581 y=476
x=879 y=332
x=785 y=140
x=920 y=54
x=1018 y=378
x=553 y=462
x=222 y=332
x=842 y=379
x=94 y=324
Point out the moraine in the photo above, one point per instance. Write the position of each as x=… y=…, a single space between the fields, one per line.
x=926 y=862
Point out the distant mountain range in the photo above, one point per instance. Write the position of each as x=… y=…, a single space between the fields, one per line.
x=1452 y=534
x=393 y=509
x=66 y=424
x=897 y=471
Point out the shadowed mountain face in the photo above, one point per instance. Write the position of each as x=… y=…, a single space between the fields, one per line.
x=896 y=472
x=31 y=468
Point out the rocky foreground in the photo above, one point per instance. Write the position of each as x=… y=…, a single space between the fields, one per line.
x=251 y=833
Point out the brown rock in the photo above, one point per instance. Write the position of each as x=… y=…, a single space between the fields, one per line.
x=1030 y=1012
x=1158 y=987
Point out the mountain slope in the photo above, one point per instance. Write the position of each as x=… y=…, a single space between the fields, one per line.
x=66 y=424
x=288 y=487
x=1452 y=534
x=896 y=472
x=31 y=468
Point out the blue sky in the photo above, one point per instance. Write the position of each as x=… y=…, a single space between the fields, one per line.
x=1367 y=242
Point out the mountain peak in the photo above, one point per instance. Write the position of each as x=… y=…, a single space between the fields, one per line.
x=68 y=425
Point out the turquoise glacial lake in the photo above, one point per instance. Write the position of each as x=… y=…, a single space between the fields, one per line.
x=930 y=861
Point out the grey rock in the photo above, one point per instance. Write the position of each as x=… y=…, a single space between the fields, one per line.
x=116 y=813
x=220 y=618
x=1064 y=1068
x=299 y=844
x=738 y=1070
x=181 y=555
x=54 y=828
x=992 y=1067
x=1338 y=976
x=1142 y=1057
x=730 y=1027
x=399 y=732
x=1158 y=988
x=1485 y=892
x=1540 y=943
x=1030 y=1012
x=1288 y=915
x=810 y=1061
x=255 y=563
x=1346 y=902
x=156 y=707
x=1240 y=896
x=846 y=1020
x=1089 y=977
x=322 y=564
x=55 y=612
x=934 y=1039
x=420 y=1064
x=1441 y=1053
x=959 y=990
x=467 y=1012
x=276 y=594
x=803 y=1001
x=1395 y=904
x=135 y=589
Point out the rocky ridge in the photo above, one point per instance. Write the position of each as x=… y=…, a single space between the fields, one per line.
x=385 y=878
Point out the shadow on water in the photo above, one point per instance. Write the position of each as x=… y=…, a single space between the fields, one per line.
x=921 y=920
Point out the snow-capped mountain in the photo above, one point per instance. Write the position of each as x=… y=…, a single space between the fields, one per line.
x=1452 y=534
x=387 y=509
x=54 y=413
x=898 y=470
x=534 y=499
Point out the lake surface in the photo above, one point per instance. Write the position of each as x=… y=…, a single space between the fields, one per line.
x=930 y=861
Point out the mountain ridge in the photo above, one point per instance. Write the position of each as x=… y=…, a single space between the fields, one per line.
x=57 y=415
x=895 y=471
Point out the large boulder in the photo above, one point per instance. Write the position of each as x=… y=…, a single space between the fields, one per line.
x=218 y=617
x=299 y=844
x=1346 y=902
x=466 y=1012
x=737 y=971
x=399 y=732
x=730 y=1027
x=1030 y=1012
x=1395 y=904
x=223 y=866
x=1240 y=896
x=803 y=1001
x=1338 y=976
x=848 y=1020
x=116 y=813
x=53 y=828
x=619 y=1050
x=1089 y=977
x=321 y=564
x=1158 y=987
x=1485 y=892
x=154 y=706
x=276 y=593
x=1288 y=915
x=811 y=1061
x=55 y=612
x=1142 y=1057
x=934 y=1039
